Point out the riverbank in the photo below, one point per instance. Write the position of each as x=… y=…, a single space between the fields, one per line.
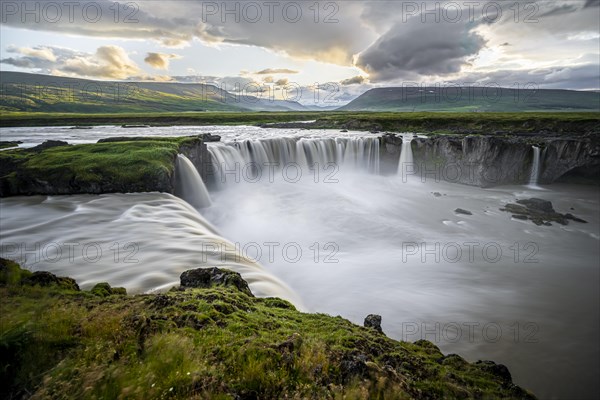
x=211 y=338
x=567 y=123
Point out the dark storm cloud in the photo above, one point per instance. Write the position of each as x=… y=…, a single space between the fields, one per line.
x=355 y=80
x=422 y=49
x=564 y=9
x=592 y=3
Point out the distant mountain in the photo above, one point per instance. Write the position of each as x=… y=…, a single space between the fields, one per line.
x=476 y=99
x=45 y=93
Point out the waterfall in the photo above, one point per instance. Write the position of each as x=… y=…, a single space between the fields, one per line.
x=406 y=157
x=233 y=161
x=535 y=167
x=190 y=186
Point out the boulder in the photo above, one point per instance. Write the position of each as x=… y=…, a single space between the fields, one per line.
x=373 y=321
x=537 y=204
x=464 y=212
x=43 y=278
x=208 y=277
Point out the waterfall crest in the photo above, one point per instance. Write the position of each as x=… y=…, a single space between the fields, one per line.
x=189 y=185
x=360 y=153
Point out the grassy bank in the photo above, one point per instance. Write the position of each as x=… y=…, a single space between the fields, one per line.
x=137 y=165
x=442 y=122
x=217 y=342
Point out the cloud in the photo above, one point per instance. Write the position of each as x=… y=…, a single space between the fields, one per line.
x=413 y=48
x=110 y=62
x=330 y=36
x=160 y=60
x=355 y=80
x=41 y=52
x=282 y=82
x=276 y=71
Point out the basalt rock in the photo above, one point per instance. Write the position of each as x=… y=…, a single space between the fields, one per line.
x=373 y=321
x=539 y=211
x=208 y=277
x=43 y=278
x=492 y=160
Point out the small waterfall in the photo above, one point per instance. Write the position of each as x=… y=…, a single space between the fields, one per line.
x=406 y=163
x=230 y=161
x=190 y=186
x=535 y=167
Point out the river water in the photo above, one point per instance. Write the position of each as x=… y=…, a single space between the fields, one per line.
x=343 y=240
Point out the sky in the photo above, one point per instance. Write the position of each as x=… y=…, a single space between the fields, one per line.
x=326 y=49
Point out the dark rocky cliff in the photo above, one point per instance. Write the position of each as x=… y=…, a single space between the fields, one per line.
x=491 y=160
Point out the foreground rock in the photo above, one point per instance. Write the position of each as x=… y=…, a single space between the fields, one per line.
x=539 y=211
x=213 y=342
x=208 y=277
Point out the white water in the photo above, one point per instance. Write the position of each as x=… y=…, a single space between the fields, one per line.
x=406 y=163
x=361 y=224
x=190 y=186
x=140 y=241
x=256 y=160
x=535 y=167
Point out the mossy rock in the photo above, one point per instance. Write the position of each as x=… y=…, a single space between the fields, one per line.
x=103 y=289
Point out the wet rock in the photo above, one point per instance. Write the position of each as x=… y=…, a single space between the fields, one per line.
x=574 y=218
x=208 y=277
x=209 y=137
x=539 y=211
x=44 y=279
x=373 y=321
x=436 y=194
x=520 y=216
x=464 y=212
x=537 y=204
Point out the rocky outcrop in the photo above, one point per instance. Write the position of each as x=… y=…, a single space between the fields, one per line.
x=539 y=211
x=373 y=321
x=198 y=154
x=120 y=165
x=208 y=277
x=492 y=160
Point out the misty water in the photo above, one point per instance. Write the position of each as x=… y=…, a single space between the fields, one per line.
x=347 y=242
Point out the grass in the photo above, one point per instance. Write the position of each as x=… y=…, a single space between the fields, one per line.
x=213 y=343
x=439 y=122
x=137 y=165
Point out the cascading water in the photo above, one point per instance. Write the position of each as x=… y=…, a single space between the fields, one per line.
x=406 y=162
x=190 y=186
x=231 y=160
x=535 y=167
x=142 y=241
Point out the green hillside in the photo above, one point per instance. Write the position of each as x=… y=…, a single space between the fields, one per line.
x=44 y=93
x=473 y=99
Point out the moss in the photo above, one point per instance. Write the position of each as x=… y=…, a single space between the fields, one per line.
x=117 y=166
x=103 y=289
x=215 y=342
